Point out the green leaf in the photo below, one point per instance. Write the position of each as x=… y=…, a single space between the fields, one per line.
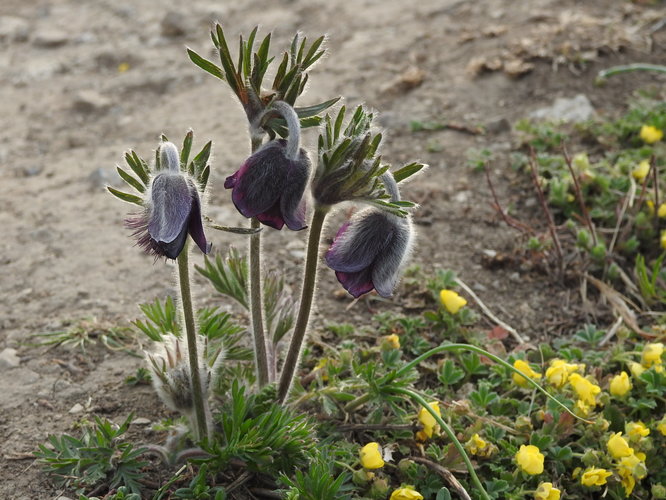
x=138 y=166
x=443 y=494
x=131 y=180
x=232 y=77
x=130 y=198
x=187 y=147
x=407 y=171
x=237 y=230
x=200 y=160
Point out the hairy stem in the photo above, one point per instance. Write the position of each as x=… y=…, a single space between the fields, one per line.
x=256 y=302
x=449 y=432
x=200 y=402
x=307 y=295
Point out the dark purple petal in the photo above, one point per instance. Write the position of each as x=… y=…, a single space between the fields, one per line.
x=173 y=248
x=356 y=283
x=292 y=203
x=260 y=181
x=387 y=265
x=272 y=217
x=195 y=226
x=170 y=207
x=357 y=245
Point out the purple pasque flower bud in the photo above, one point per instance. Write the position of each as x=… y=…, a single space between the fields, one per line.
x=369 y=251
x=271 y=183
x=172 y=210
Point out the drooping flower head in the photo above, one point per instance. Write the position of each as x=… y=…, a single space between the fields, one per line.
x=172 y=210
x=271 y=183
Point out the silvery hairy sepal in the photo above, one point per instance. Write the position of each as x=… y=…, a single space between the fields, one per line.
x=172 y=210
x=370 y=250
x=271 y=183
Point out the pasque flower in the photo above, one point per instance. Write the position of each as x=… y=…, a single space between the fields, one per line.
x=270 y=184
x=530 y=459
x=369 y=251
x=172 y=210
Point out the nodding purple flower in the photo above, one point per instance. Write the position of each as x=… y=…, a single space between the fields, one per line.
x=271 y=183
x=369 y=251
x=172 y=210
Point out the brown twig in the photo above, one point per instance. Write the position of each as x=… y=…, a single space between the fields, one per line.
x=266 y=493
x=239 y=481
x=547 y=212
x=445 y=474
x=510 y=221
x=579 y=196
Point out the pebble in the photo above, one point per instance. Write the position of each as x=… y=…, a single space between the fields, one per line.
x=9 y=359
x=13 y=29
x=77 y=408
x=90 y=101
x=50 y=38
x=567 y=109
x=141 y=421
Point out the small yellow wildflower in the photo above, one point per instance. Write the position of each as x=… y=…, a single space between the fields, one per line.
x=661 y=212
x=662 y=240
x=406 y=493
x=583 y=408
x=559 y=370
x=320 y=368
x=620 y=384
x=530 y=459
x=641 y=171
x=633 y=465
x=522 y=366
x=586 y=390
x=651 y=134
x=636 y=430
x=371 y=456
x=628 y=482
x=594 y=476
x=392 y=341
x=618 y=446
x=546 y=491
x=478 y=446
x=661 y=426
x=636 y=369
x=123 y=67
x=430 y=425
x=652 y=354
x=451 y=301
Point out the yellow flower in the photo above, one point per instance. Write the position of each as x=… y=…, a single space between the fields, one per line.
x=628 y=482
x=594 y=476
x=620 y=384
x=123 y=67
x=632 y=465
x=406 y=493
x=530 y=459
x=428 y=422
x=651 y=134
x=641 y=171
x=371 y=456
x=583 y=408
x=618 y=446
x=545 y=491
x=478 y=446
x=559 y=370
x=662 y=211
x=392 y=341
x=652 y=354
x=522 y=366
x=451 y=301
x=661 y=426
x=636 y=430
x=586 y=390
x=662 y=240
x=636 y=369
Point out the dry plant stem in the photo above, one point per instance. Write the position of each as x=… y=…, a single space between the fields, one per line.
x=489 y=313
x=307 y=295
x=449 y=432
x=579 y=196
x=549 y=215
x=198 y=399
x=509 y=221
x=446 y=475
x=256 y=302
x=655 y=180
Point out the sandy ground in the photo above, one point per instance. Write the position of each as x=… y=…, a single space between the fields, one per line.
x=82 y=82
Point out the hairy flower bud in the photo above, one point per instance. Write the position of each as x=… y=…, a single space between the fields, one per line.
x=369 y=251
x=172 y=210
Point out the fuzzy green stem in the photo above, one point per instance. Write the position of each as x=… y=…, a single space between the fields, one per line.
x=449 y=432
x=355 y=403
x=478 y=350
x=307 y=295
x=256 y=302
x=191 y=334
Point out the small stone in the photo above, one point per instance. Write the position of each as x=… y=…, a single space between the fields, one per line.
x=567 y=109
x=9 y=359
x=77 y=408
x=50 y=38
x=102 y=177
x=33 y=170
x=89 y=101
x=173 y=25
x=141 y=421
x=13 y=29
x=498 y=126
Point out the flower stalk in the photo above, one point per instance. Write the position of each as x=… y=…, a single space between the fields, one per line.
x=200 y=402
x=307 y=295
